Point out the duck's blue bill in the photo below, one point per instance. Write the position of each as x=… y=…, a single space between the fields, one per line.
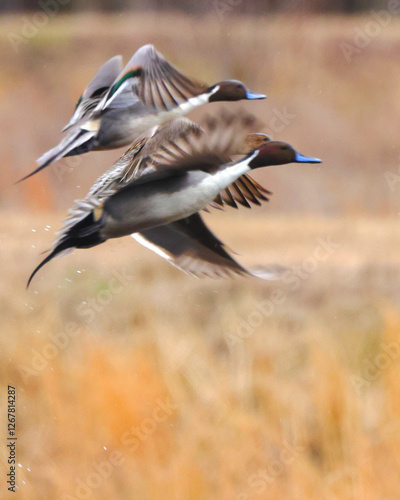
x=250 y=95
x=306 y=159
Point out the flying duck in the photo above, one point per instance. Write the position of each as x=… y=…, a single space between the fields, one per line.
x=113 y=112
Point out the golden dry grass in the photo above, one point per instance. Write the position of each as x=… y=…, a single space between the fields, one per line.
x=299 y=402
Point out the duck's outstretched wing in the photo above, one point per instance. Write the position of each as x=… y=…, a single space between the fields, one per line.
x=137 y=160
x=96 y=89
x=195 y=148
x=149 y=77
x=182 y=145
x=121 y=172
x=104 y=78
x=82 y=130
x=245 y=191
x=134 y=165
x=190 y=246
x=162 y=86
x=150 y=153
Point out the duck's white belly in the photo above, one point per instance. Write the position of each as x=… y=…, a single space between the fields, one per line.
x=172 y=199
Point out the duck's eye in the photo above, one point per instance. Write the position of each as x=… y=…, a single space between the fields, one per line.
x=284 y=147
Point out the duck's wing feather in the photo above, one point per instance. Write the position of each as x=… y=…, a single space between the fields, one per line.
x=181 y=146
x=136 y=160
x=105 y=186
x=162 y=86
x=195 y=148
x=119 y=174
x=189 y=245
x=245 y=191
x=157 y=84
x=105 y=76
x=148 y=160
x=96 y=89
x=172 y=146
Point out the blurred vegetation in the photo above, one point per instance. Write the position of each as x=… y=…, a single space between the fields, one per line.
x=194 y=6
x=300 y=402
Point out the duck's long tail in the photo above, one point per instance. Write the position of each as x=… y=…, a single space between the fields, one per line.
x=75 y=143
x=84 y=234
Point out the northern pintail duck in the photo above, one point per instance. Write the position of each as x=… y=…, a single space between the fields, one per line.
x=146 y=93
x=156 y=190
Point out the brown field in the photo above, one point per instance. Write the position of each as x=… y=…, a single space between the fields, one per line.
x=298 y=401
x=137 y=382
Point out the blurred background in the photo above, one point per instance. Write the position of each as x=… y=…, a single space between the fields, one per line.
x=135 y=381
